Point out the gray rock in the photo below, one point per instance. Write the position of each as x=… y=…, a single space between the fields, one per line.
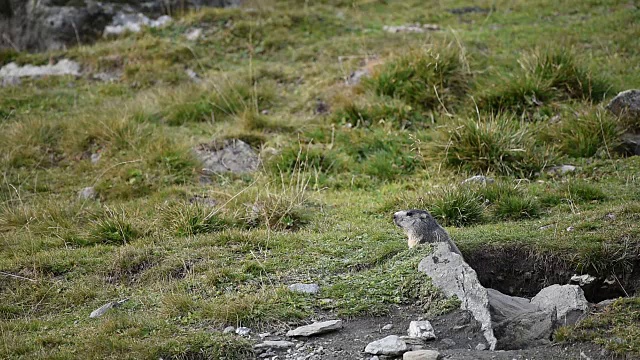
x=387 y=327
x=422 y=330
x=478 y=179
x=568 y=301
x=277 y=345
x=582 y=280
x=194 y=34
x=228 y=329
x=95 y=158
x=106 y=307
x=304 y=288
x=411 y=28
x=38 y=25
x=421 y=355
x=233 y=156
x=88 y=193
x=391 y=345
x=124 y=22
x=242 y=331
x=561 y=170
x=517 y=323
x=626 y=103
x=447 y=343
x=316 y=328
x=630 y=144
x=101 y=310
x=63 y=67
x=453 y=276
x=481 y=347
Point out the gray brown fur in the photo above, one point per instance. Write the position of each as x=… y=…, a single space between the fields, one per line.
x=422 y=228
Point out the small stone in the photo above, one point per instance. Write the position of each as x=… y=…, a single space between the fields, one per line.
x=481 y=347
x=421 y=355
x=101 y=310
x=610 y=216
x=95 y=158
x=193 y=75
x=88 y=193
x=391 y=345
x=422 y=330
x=316 y=328
x=478 y=179
x=447 y=343
x=228 y=329
x=387 y=327
x=570 y=229
x=279 y=345
x=304 y=288
x=194 y=34
x=582 y=280
x=561 y=170
x=242 y=331
x=264 y=335
x=546 y=227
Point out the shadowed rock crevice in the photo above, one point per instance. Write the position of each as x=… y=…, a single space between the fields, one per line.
x=519 y=271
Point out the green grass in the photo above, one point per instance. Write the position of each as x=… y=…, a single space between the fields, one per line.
x=484 y=96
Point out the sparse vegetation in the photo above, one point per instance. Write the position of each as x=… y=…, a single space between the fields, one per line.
x=196 y=253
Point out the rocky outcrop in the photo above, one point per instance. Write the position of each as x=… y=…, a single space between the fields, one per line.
x=233 y=156
x=38 y=25
x=449 y=272
x=626 y=103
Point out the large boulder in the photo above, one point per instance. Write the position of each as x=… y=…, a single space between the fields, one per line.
x=567 y=300
x=38 y=25
x=519 y=324
x=449 y=272
x=626 y=103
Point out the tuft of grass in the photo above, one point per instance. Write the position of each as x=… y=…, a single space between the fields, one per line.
x=191 y=219
x=428 y=79
x=565 y=73
x=546 y=76
x=581 y=191
x=456 y=207
x=499 y=144
x=379 y=111
x=586 y=135
x=113 y=228
x=615 y=328
x=513 y=207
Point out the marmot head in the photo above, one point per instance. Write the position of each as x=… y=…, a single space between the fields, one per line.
x=410 y=219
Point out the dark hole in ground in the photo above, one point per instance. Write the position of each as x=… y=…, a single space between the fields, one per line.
x=523 y=272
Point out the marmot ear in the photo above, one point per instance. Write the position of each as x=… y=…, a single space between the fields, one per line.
x=423 y=215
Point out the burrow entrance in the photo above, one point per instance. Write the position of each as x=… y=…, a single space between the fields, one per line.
x=519 y=271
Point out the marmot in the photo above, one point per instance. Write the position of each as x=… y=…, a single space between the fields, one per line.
x=422 y=228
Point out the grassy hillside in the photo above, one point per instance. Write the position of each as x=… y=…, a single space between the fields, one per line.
x=504 y=88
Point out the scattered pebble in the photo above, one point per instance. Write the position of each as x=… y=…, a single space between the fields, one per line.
x=228 y=329
x=387 y=327
x=194 y=34
x=316 y=328
x=411 y=28
x=242 y=331
x=422 y=330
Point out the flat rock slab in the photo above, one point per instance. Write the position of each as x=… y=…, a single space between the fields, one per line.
x=304 y=288
x=274 y=344
x=421 y=355
x=230 y=155
x=392 y=345
x=450 y=273
x=63 y=67
x=316 y=328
